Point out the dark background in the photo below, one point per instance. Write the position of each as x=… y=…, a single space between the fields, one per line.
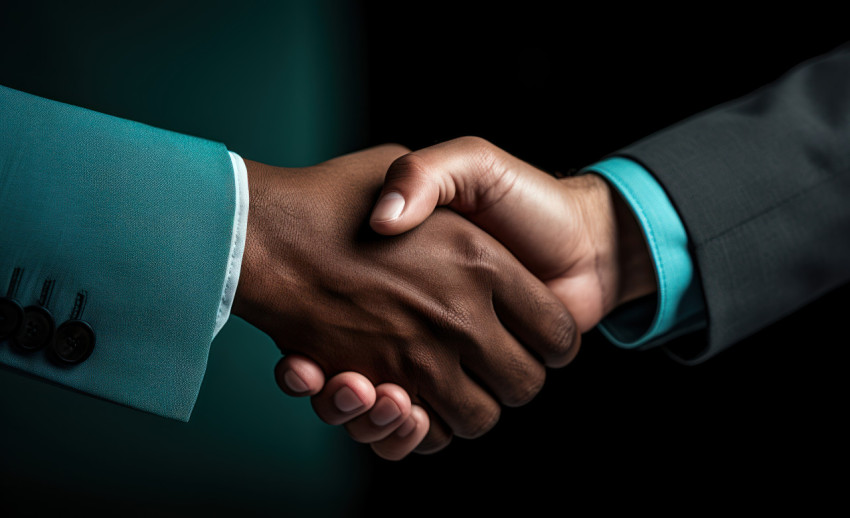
x=759 y=426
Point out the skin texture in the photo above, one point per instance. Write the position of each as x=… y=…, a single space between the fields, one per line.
x=577 y=234
x=392 y=441
x=444 y=312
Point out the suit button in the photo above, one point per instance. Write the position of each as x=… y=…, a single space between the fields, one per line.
x=36 y=330
x=74 y=341
x=11 y=315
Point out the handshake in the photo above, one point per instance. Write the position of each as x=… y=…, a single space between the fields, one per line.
x=410 y=323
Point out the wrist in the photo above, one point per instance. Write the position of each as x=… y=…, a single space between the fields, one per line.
x=256 y=260
x=636 y=273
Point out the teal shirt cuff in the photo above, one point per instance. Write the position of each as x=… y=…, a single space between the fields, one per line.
x=678 y=306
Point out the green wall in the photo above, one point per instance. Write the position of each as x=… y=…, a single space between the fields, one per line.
x=277 y=82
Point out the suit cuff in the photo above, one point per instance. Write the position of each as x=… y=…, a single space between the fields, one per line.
x=677 y=307
x=237 y=241
x=127 y=227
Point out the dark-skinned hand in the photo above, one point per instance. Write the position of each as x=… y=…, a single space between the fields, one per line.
x=443 y=312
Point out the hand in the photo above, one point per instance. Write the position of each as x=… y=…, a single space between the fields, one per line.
x=576 y=234
x=387 y=420
x=469 y=174
x=444 y=311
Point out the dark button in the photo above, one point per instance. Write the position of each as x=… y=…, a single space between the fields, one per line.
x=11 y=315
x=74 y=341
x=36 y=330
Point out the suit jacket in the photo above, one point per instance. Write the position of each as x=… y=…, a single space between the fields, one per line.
x=223 y=394
x=247 y=447
x=125 y=227
x=762 y=185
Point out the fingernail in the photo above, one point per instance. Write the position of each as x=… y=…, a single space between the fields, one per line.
x=407 y=428
x=384 y=412
x=294 y=381
x=389 y=207
x=346 y=400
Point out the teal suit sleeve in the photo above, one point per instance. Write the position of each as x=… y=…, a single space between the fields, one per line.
x=137 y=219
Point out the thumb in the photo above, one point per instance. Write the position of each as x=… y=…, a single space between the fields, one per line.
x=452 y=173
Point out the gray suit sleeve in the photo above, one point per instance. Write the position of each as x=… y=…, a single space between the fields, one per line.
x=762 y=185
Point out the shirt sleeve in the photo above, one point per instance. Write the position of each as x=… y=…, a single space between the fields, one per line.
x=237 y=241
x=677 y=307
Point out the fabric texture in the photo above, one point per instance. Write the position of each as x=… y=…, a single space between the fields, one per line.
x=142 y=220
x=678 y=303
x=762 y=187
x=237 y=242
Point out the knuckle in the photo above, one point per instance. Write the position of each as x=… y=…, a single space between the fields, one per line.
x=480 y=251
x=561 y=334
x=481 y=420
x=495 y=175
x=422 y=369
x=410 y=165
x=450 y=322
x=486 y=157
x=475 y=144
x=455 y=318
x=527 y=390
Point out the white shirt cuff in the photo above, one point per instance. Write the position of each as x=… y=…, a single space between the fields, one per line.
x=237 y=241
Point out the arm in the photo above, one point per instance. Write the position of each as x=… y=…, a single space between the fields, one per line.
x=444 y=312
x=577 y=234
x=144 y=222
x=137 y=221
x=762 y=185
